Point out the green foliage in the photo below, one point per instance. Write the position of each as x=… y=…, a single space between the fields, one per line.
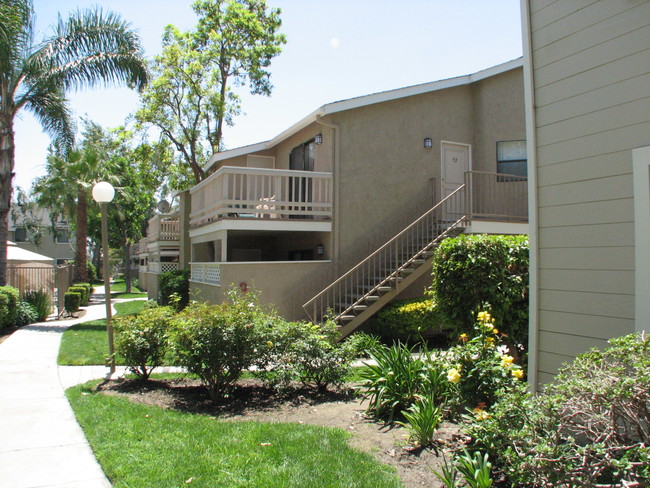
x=71 y=302
x=174 y=288
x=82 y=294
x=473 y=273
x=588 y=428
x=87 y=288
x=423 y=419
x=310 y=353
x=406 y=320
x=475 y=470
x=192 y=97
x=91 y=271
x=9 y=298
x=142 y=339
x=41 y=301
x=396 y=379
x=217 y=342
x=25 y=314
x=363 y=344
x=479 y=368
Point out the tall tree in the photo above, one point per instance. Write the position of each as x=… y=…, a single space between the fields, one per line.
x=192 y=95
x=89 y=48
x=66 y=187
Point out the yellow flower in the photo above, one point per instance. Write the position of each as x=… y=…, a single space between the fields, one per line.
x=463 y=335
x=495 y=331
x=269 y=344
x=482 y=415
x=489 y=340
x=453 y=375
x=518 y=373
x=484 y=317
x=507 y=361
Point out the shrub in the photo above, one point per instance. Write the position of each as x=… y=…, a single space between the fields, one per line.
x=310 y=353
x=71 y=302
x=25 y=314
x=41 y=301
x=479 y=367
x=9 y=298
x=82 y=294
x=396 y=379
x=217 y=342
x=422 y=420
x=363 y=344
x=406 y=320
x=174 y=288
x=473 y=273
x=588 y=428
x=142 y=339
x=91 y=271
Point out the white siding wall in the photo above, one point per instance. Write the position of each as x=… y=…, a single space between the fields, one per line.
x=591 y=83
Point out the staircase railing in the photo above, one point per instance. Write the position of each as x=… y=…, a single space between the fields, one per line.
x=385 y=267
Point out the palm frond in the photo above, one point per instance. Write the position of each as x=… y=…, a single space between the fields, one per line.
x=51 y=109
x=16 y=37
x=92 y=47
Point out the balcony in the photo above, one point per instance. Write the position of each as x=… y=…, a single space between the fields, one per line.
x=262 y=194
x=162 y=267
x=163 y=227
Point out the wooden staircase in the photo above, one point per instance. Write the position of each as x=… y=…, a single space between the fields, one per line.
x=367 y=287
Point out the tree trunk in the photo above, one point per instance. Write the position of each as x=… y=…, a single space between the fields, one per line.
x=81 y=240
x=6 y=176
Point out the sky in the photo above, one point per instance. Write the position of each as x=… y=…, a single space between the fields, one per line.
x=336 y=49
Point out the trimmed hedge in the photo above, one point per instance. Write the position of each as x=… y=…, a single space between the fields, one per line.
x=72 y=301
x=483 y=272
x=9 y=298
x=87 y=290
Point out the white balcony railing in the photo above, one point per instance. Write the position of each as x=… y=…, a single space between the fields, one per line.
x=237 y=192
x=159 y=268
x=163 y=227
x=209 y=273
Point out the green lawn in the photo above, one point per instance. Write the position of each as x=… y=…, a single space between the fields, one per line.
x=141 y=446
x=118 y=290
x=87 y=344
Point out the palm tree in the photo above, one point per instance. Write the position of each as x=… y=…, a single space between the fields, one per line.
x=89 y=48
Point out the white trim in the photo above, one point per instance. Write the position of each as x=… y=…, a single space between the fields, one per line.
x=314 y=261
x=270 y=225
x=641 y=178
x=365 y=100
x=533 y=242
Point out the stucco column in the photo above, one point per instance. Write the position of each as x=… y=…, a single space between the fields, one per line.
x=185 y=246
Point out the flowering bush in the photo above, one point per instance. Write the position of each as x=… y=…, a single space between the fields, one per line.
x=588 y=428
x=478 y=366
x=406 y=320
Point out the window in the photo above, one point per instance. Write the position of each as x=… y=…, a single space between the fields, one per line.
x=62 y=236
x=302 y=157
x=512 y=158
x=20 y=234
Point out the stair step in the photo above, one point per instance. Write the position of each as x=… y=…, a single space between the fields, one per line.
x=346 y=318
x=357 y=307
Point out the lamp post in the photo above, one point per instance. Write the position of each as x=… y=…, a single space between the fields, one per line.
x=103 y=193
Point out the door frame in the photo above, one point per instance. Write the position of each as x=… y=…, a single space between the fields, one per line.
x=442 y=162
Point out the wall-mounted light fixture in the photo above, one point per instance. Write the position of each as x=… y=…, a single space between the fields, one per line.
x=428 y=143
x=320 y=250
x=318 y=139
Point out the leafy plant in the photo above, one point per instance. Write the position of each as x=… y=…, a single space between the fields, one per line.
x=142 y=339
x=475 y=469
x=175 y=288
x=41 y=301
x=9 y=298
x=473 y=273
x=396 y=378
x=218 y=342
x=91 y=271
x=82 y=294
x=25 y=314
x=479 y=367
x=406 y=320
x=71 y=302
x=363 y=344
x=588 y=428
x=423 y=419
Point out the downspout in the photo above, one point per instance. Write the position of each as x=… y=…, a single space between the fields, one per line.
x=335 y=193
x=531 y=146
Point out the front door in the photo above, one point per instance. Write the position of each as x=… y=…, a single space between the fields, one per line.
x=456 y=161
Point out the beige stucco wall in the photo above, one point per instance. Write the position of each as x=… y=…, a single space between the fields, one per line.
x=285 y=285
x=591 y=87
x=48 y=246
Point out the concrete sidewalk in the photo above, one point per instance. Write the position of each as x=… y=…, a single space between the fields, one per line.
x=41 y=444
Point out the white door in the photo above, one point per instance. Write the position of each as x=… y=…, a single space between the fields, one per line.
x=456 y=160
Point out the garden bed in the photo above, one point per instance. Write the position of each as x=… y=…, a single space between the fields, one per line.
x=250 y=400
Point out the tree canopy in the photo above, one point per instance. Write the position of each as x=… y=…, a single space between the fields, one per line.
x=193 y=93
